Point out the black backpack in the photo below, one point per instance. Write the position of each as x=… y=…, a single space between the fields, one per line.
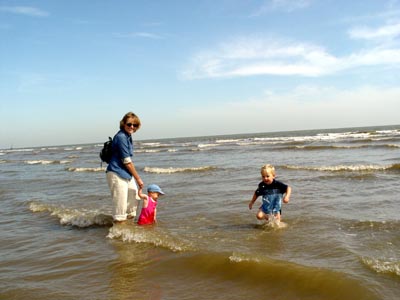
x=106 y=152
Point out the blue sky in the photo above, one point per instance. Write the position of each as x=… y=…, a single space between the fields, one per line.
x=70 y=69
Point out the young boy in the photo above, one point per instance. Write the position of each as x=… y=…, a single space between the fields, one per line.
x=148 y=214
x=272 y=192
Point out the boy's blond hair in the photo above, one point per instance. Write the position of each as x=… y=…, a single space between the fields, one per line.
x=268 y=169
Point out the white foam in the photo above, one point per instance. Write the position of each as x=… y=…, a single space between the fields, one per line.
x=144 y=234
x=383 y=265
x=274 y=223
x=176 y=170
x=240 y=257
x=67 y=216
x=47 y=162
x=99 y=169
x=206 y=145
x=148 y=151
x=39 y=162
x=227 y=141
x=341 y=168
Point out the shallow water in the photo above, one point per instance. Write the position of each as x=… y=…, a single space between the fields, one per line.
x=341 y=241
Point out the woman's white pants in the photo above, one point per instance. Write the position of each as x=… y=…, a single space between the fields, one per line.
x=124 y=193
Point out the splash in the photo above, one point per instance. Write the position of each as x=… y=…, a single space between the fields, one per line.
x=133 y=233
x=275 y=224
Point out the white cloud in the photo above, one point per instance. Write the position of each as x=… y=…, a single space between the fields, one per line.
x=376 y=56
x=256 y=56
x=389 y=31
x=265 y=56
x=25 y=10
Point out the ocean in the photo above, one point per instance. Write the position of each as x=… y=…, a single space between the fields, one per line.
x=341 y=239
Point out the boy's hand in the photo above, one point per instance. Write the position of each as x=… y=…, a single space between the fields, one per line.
x=286 y=199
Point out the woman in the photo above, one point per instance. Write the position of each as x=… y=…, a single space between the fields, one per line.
x=121 y=171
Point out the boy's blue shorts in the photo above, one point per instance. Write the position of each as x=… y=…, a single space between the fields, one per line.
x=271 y=204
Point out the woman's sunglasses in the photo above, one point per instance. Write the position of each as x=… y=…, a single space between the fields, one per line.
x=132 y=125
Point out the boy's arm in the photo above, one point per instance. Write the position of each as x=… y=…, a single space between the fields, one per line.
x=253 y=200
x=287 y=195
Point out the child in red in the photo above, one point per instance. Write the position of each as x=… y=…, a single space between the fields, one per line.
x=148 y=213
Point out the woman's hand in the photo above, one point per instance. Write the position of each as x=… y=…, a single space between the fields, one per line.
x=140 y=183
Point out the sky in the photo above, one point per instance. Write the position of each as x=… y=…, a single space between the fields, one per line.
x=70 y=69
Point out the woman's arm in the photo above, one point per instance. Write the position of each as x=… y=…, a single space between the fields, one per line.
x=132 y=170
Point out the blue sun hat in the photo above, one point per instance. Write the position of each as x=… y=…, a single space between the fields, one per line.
x=155 y=188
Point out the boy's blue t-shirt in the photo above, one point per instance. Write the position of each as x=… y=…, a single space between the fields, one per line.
x=276 y=187
x=271 y=195
x=122 y=147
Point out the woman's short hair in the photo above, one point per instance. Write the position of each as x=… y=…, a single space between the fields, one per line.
x=128 y=116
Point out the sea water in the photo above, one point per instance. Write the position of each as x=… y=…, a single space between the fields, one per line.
x=339 y=240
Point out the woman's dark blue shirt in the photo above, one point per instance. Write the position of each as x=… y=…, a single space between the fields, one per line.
x=122 y=152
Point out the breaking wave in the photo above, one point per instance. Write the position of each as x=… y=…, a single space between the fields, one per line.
x=349 y=168
x=384 y=266
x=177 y=170
x=274 y=277
x=74 y=217
x=151 y=235
x=73 y=169
x=46 y=162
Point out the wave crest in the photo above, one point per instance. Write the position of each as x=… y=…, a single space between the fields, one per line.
x=344 y=168
x=73 y=217
x=177 y=170
x=288 y=279
x=143 y=234
x=46 y=162
x=73 y=169
x=382 y=266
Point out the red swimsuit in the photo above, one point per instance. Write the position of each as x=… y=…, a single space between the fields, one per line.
x=147 y=214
